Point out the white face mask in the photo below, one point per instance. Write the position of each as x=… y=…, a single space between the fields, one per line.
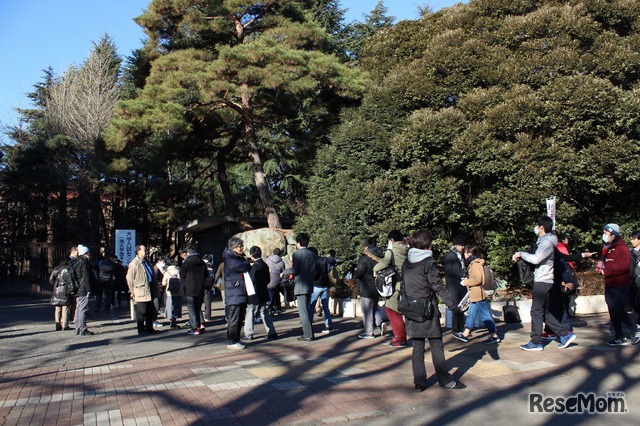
x=536 y=230
x=605 y=238
x=390 y=245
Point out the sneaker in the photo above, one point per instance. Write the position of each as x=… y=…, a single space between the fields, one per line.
x=565 y=341
x=157 y=325
x=491 y=340
x=532 y=347
x=618 y=342
x=460 y=336
x=328 y=330
x=188 y=324
x=202 y=329
x=196 y=331
x=248 y=337
x=366 y=336
x=384 y=329
x=549 y=336
x=636 y=340
x=237 y=345
x=454 y=385
x=398 y=344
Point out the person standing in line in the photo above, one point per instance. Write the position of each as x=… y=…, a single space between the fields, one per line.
x=276 y=268
x=65 y=285
x=634 y=296
x=73 y=256
x=219 y=280
x=397 y=252
x=104 y=273
x=304 y=271
x=369 y=295
x=84 y=273
x=173 y=301
x=422 y=282
x=543 y=280
x=209 y=290
x=158 y=291
x=193 y=272
x=257 y=303
x=615 y=264
x=140 y=280
x=235 y=298
x=454 y=272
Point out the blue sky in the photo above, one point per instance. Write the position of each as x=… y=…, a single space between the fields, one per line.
x=36 y=34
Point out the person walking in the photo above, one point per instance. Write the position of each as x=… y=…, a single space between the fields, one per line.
x=140 y=279
x=543 y=280
x=478 y=303
x=421 y=281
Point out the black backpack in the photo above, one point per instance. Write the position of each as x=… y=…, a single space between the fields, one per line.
x=525 y=269
x=64 y=282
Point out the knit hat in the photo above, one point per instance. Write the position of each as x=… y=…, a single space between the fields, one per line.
x=613 y=228
x=84 y=249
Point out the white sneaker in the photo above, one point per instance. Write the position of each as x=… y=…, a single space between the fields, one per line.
x=236 y=346
x=157 y=325
x=383 y=329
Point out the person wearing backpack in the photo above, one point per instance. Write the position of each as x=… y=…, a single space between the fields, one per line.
x=172 y=284
x=65 y=285
x=321 y=291
x=397 y=253
x=478 y=303
x=369 y=296
x=543 y=260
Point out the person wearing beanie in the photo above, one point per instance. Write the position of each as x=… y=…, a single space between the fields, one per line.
x=615 y=264
x=84 y=273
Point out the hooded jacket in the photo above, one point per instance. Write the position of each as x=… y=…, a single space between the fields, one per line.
x=542 y=259
x=276 y=267
x=421 y=279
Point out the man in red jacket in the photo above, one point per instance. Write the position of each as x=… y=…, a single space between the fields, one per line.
x=615 y=264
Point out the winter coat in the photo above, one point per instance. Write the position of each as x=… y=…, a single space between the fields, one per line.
x=260 y=276
x=172 y=272
x=617 y=264
x=399 y=251
x=542 y=259
x=635 y=267
x=138 y=281
x=64 y=284
x=235 y=292
x=453 y=273
x=304 y=270
x=421 y=278
x=104 y=271
x=364 y=272
x=474 y=282
x=276 y=267
x=193 y=272
x=84 y=274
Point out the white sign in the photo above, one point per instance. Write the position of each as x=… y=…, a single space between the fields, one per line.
x=125 y=245
x=551 y=210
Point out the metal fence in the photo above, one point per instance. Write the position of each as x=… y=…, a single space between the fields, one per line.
x=25 y=268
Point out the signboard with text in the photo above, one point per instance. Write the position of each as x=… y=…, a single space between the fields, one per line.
x=125 y=245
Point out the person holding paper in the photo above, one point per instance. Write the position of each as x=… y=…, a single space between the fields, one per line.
x=236 y=265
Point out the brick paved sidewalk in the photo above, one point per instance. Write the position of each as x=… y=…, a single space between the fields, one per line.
x=170 y=378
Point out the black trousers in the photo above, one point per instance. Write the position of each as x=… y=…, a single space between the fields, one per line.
x=234 y=322
x=540 y=313
x=208 y=298
x=457 y=291
x=437 y=356
x=617 y=299
x=144 y=316
x=555 y=305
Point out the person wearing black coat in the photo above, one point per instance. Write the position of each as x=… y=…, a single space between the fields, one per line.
x=421 y=281
x=369 y=295
x=84 y=274
x=454 y=272
x=258 y=302
x=304 y=270
x=193 y=272
x=235 y=292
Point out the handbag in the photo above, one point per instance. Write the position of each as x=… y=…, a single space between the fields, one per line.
x=511 y=313
x=414 y=309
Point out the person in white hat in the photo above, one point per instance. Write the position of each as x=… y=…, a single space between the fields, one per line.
x=84 y=274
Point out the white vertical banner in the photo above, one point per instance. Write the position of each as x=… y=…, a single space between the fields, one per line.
x=551 y=210
x=125 y=245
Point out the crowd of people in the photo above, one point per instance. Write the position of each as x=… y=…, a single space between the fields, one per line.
x=251 y=286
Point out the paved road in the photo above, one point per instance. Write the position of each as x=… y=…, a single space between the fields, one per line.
x=171 y=378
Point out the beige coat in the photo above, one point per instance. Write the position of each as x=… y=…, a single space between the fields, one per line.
x=138 y=281
x=474 y=282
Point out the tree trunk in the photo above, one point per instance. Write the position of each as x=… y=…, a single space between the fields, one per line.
x=273 y=219
x=230 y=204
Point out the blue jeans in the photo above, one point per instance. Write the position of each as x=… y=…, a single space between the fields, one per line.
x=480 y=309
x=322 y=293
